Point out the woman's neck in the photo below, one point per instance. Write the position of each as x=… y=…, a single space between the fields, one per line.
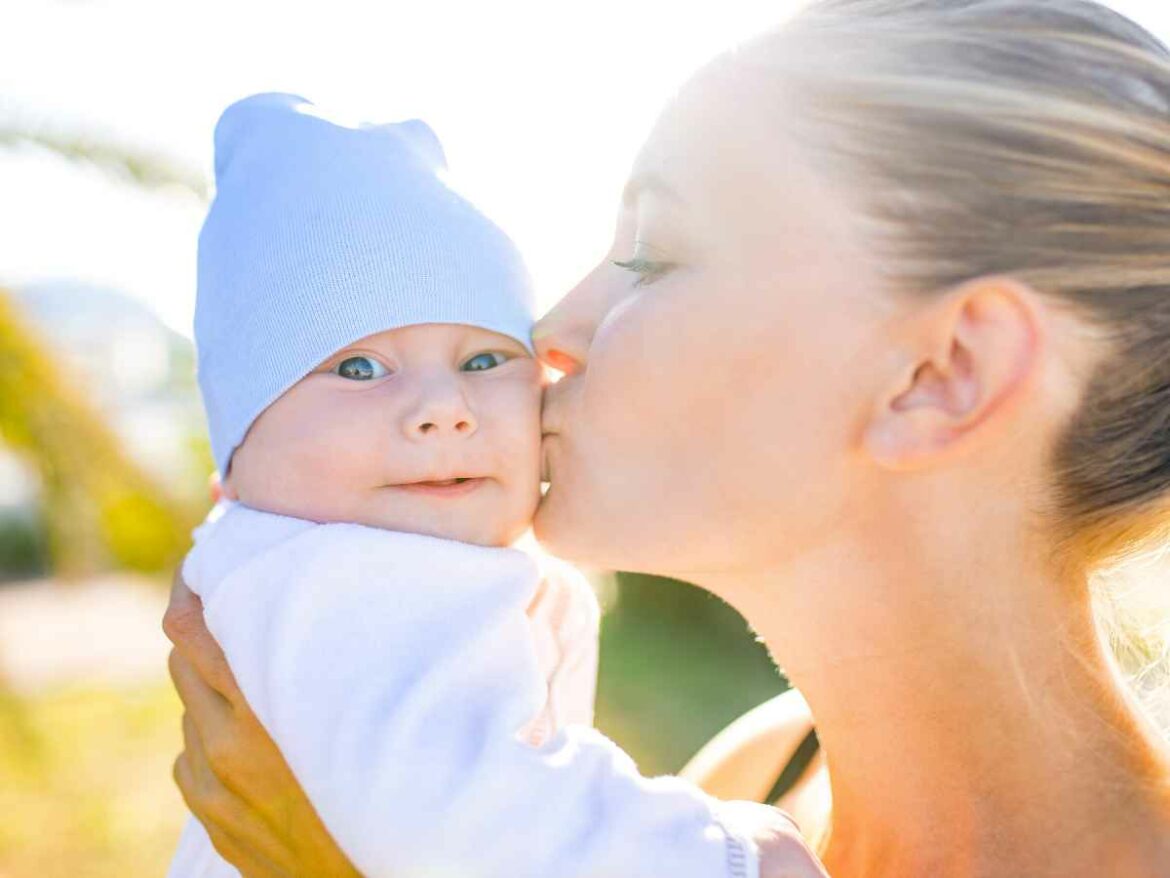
x=972 y=722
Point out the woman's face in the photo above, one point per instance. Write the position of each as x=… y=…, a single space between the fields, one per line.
x=715 y=385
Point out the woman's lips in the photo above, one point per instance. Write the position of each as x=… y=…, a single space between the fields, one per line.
x=443 y=488
x=545 y=472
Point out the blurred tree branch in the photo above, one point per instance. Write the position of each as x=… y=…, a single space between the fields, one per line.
x=98 y=505
x=151 y=170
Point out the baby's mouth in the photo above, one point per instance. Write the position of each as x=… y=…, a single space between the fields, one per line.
x=457 y=486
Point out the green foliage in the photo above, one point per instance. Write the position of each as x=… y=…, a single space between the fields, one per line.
x=677 y=665
x=140 y=532
x=24 y=552
x=98 y=507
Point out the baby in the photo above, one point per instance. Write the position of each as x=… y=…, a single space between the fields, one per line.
x=374 y=406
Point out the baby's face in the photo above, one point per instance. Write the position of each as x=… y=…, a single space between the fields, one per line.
x=381 y=432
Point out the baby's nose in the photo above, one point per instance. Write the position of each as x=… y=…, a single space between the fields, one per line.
x=439 y=424
x=438 y=414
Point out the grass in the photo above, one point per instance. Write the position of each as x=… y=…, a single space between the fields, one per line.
x=677 y=665
x=85 y=785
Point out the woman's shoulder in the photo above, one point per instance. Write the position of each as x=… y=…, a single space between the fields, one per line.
x=743 y=760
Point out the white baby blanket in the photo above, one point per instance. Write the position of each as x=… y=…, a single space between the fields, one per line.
x=400 y=677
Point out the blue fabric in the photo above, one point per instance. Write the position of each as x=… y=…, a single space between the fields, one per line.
x=322 y=233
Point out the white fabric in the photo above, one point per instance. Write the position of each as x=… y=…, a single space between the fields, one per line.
x=397 y=673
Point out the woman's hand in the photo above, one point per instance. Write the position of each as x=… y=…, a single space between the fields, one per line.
x=231 y=774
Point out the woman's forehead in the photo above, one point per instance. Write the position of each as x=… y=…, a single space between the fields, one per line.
x=715 y=150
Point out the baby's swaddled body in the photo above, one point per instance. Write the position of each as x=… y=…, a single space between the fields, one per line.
x=384 y=663
x=403 y=680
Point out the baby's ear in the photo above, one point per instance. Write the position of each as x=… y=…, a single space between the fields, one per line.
x=224 y=488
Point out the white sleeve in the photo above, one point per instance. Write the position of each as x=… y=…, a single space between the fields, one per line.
x=395 y=688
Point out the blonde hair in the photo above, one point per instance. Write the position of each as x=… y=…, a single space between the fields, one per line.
x=1028 y=138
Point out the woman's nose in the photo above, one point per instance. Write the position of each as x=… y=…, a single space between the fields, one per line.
x=561 y=342
x=441 y=410
x=562 y=337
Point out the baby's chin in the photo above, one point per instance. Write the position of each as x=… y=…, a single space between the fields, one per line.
x=462 y=525
x=490 y=517
x=479 y=533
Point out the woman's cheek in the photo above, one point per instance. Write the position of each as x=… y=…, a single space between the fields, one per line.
x=654 y=368
x=628 y=436
x=617 y=400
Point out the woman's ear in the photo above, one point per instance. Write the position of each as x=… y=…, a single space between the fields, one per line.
x=973 y=358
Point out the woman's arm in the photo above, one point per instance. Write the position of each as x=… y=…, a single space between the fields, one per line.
x=230 y=773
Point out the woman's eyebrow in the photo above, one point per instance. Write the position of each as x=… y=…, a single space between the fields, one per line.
x=649 y=182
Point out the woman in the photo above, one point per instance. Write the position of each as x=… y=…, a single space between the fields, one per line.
x=880 y=355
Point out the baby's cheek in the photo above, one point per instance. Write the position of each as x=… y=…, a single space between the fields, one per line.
x=520 y=452
x=312 y=474
x=515 y=406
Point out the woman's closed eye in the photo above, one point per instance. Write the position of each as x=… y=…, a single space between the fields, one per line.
x=648 y=270
x=360 y=369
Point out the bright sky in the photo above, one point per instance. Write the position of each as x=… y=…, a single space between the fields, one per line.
x=541 y=107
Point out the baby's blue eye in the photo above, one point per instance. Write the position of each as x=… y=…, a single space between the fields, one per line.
x=480 y=362
x=360 y=369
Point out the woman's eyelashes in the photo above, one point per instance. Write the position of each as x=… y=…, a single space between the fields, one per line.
x=648 y=270
x=360 y=369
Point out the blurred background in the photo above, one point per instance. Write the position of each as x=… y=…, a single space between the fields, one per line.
x=106 y=114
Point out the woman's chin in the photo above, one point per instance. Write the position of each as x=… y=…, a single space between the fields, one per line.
x=562 y=532
x=576 y=535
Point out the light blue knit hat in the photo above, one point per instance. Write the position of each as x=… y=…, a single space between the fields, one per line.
x=322 y=233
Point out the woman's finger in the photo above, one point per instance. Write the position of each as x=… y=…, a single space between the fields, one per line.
x=210 y=796
x=248 y=864
x=206 y=706
x=184 y=625
x=233 y=746
x=237 y=832
x=218 y=738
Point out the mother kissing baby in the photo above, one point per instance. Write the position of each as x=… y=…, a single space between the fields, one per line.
x=879 y=355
